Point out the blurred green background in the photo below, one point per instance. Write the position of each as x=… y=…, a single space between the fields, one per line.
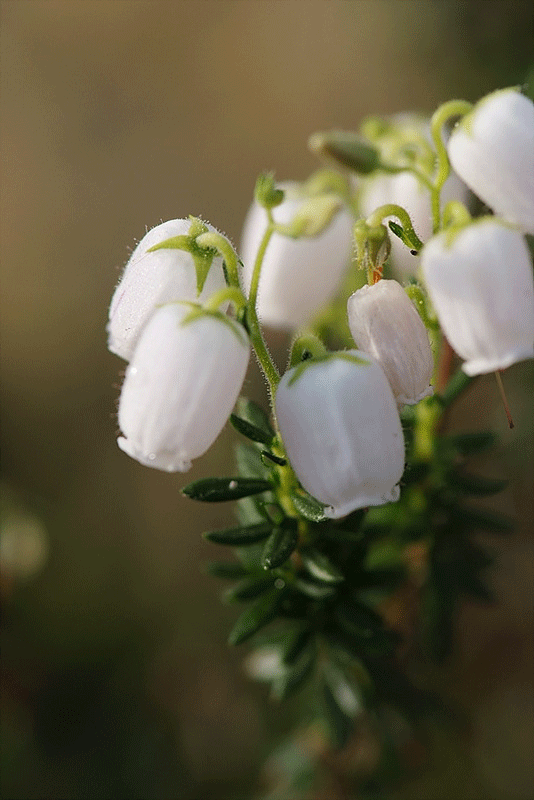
x=117 y=114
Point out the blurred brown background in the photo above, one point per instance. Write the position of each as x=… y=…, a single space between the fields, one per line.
x=117 y=114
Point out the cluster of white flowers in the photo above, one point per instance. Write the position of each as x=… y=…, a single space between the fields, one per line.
x=337 y=414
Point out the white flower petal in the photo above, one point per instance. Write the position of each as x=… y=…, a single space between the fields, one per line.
x=151 y=279
x=341 y=430
x=492 y=149
x=384 y=323
x=480 y=282
x=180 y=387
x=299 y=276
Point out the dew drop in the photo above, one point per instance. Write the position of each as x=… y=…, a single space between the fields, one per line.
x=232 y=485
x=279 y=583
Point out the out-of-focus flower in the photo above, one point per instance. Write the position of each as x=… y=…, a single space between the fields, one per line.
x=384 y=323
x=151 y=279
x=341 y=431
x=299 y=276
x=480 y=282
x=181 y=385
x=492 y=149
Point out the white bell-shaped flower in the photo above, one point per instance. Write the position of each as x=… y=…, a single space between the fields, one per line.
x=180 y=386
x=384 y=323
x=299 y=276
x=341 y=430
x=151 y=279
x=480 y=282
x=492 y=149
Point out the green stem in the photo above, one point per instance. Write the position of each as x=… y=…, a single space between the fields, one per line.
x=454 y=108
x=256 y=336
x=393 y=210
x=223 y=246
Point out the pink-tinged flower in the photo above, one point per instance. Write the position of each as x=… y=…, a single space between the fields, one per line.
x=384 y=323
x=480 y=282
x=341 y=430
x=299 y=276
x=181 y=385
x=151 y=279
x=492 y=149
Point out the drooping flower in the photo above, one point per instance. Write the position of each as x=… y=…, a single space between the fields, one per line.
x=341 y=431
x=181 y=385
x=480 y=282
x=384 y=323
x=151 y=279
x=299 y=276
x=492 y=149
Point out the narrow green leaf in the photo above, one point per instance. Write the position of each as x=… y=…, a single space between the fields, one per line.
x=228 y=570
x=249 y=430
x=248 y=459
x=455 y=387
x=240 y=536
x=253 y=413
x=216 y=490
x=308 y=507
x=259 y=614
x=470 y=443
x=294 y=643
x=483 y=519
x=339 y=724
x=475 y=484
x=272 y=458
x=297 y=673
x=320 y=567
x=248 y=588
x=359 y=620
x=279 y=546
x=315 y=591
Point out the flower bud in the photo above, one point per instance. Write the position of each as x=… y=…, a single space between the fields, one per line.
x=384 y=323
x=151 y=279
x=405 y=190
x=341 y=431
x=181 y=385
x=480 y=282
x=492 y=149
x=299 y=276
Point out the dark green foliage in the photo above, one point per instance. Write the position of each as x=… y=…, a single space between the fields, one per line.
x=243 y=535
x=308 y=507
x=256 y=616
x=279 y=546
x=216 y=490
x=249 y=430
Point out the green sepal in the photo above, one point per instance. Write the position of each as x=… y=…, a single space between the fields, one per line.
x=266 y=193
x=217 y=490
x=308 y=507
x=339 y=724
x=468 y=444
x=202 y=260
x=227 y=570
x=278 y=547
x=399 y=231
x=320 y=567
x=259 y=614
x=253 y=413
x=249 y=430
x=243 y=535
x=475 y=484
x=248 y=588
